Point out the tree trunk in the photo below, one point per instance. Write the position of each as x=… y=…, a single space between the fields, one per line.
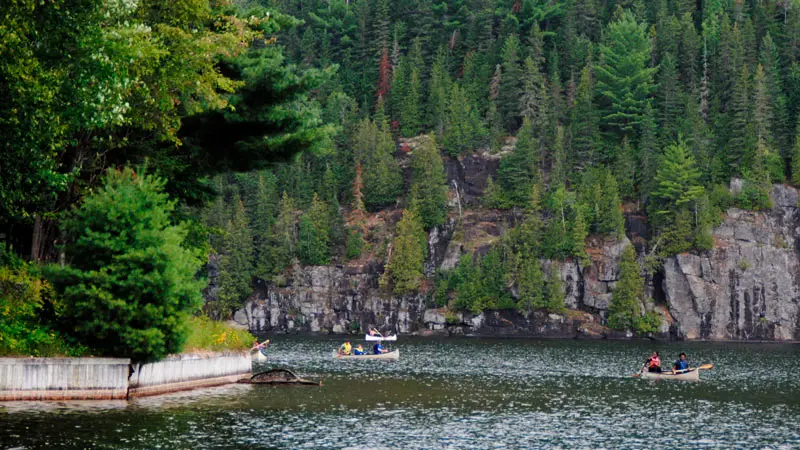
x=36 y=241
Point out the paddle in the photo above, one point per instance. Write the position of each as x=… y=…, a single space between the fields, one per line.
x=706 y=367
x=639 y=373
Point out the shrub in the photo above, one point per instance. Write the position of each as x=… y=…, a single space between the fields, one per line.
x=27 y=308
x=130 y=283
x=207 y=334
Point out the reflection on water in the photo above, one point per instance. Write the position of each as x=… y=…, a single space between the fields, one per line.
x=452 y=393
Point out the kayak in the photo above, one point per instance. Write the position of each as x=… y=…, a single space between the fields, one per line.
x=257 y=356
x=391 y=356
x=689 y=375
x=380 y=338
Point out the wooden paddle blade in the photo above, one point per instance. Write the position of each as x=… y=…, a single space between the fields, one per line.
x=637 y=375
x=706 y=367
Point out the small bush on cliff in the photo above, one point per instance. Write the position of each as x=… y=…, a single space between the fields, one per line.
x=130 y=285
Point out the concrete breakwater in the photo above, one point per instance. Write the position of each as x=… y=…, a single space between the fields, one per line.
x=115 y=378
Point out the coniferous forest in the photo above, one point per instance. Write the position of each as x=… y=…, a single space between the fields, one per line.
x=270 y=133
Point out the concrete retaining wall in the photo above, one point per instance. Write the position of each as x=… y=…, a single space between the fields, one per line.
x=63 y=378
x=115 y=378
x=182 y=372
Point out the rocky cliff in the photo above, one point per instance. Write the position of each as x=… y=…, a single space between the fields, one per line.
x=746 y=288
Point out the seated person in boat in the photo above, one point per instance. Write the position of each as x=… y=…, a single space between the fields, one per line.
x=359 y=350
x=345 y=348
x=374 y=332
x=654 y=363
x=681 y=364
x=378 y=349
x=261 y=346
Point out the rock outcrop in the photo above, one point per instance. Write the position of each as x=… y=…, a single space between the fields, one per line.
x=748 y=286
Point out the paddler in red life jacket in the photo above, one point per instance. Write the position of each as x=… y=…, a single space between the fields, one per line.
x=654 y=363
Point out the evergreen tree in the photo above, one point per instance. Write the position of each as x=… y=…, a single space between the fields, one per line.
x=670 y=104
x=742 y=141
x=648 y=153
x=624 y=79
x=405 y=266
x=510 y=83
x=554 y=292
x=584 y=133
x=283 y=235
x=625 y=169
x=381 y=175
x=129 y=284
x=677 y=182
x=463 y=129
x=428 y=197
x=313 y=237
x=530 y=283
x=519 y=169
x=235 y=262
x=623 y=310
x=439 y=87
x=410 y=116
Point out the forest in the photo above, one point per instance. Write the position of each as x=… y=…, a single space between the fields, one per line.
x=648 y=107
x=272 y=133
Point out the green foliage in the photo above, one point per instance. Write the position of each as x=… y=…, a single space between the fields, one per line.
x=530 y=284
x=404 y=270
x=677 y=183
x=129 y=285
x=313 y=236
x=355 y=244
x=28 y=308
x=650 y=322
x=554 y=292
x=235 y=262
x=518 y=170
x=623 y=311
x=381 y=175
x=428 y=197
x=624 y=80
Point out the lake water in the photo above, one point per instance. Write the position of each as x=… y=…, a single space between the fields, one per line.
x=453 y=393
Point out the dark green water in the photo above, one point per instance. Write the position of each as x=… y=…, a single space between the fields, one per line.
x=465 y=393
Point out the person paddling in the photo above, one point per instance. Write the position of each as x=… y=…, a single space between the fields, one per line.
x=681 y=364
x=359 y=350
x=653 y=363
x=378 y=348
x=261 y=346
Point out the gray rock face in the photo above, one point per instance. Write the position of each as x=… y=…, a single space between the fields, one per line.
x=332 y=299
x=748 y=286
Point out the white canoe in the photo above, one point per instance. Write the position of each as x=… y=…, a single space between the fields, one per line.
x=689 y=375
x=391 y=356
x=257 y=356
x=380 y=338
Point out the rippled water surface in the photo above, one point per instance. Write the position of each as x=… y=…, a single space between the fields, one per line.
x=453 y=393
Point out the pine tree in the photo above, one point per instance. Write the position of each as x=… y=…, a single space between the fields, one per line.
x=611 y=220
x=558 y=169
x=130 y=283
x=519 y=169
x=534 y=98
x=439 y=87
x=236 y=262
x=648 y=152
x=669 y=101
x=428 y=198
x=463 y=129
x=795 y=160
x=623 y=310
x=384 y=76
x=510 y=83
x=410 y=116
x=381 y=175
x=780 y=126
x=677 y=183
x=405 y=268
x=584 y=133
x=554 y=292
x=530 y=283
x=742 y=141
x=625 y=169
x=283 y=235
x=313 y=236
x=624 y=79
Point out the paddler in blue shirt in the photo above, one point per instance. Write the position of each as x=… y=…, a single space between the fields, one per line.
x=378 y=348
x=681 y=364
x=359 y=350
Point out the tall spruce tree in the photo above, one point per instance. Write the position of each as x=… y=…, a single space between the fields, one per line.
x=404 y=271
x=236 y=262
x=584 y=120
x=624 y=78
x=428 y=197
x=313 y=238
x=510 y=83
x=624 y=310
x=381 y=174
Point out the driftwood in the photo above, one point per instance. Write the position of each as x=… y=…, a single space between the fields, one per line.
x=279 y=376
